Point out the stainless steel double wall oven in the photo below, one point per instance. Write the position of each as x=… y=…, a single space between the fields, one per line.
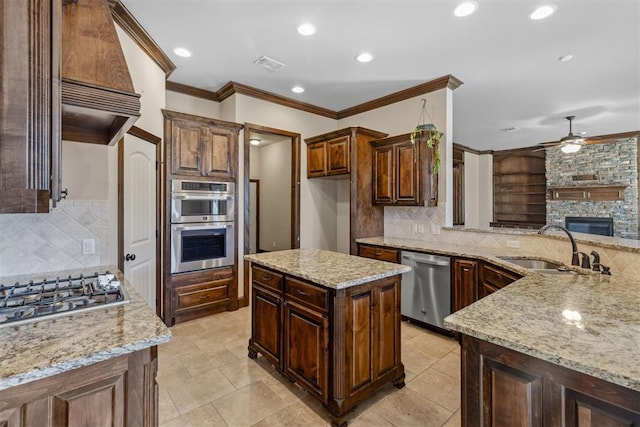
x=202 y=225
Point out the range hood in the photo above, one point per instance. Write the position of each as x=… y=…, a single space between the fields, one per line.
x=99 y=103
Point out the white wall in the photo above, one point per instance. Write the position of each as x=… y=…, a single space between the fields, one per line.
x=274 y=162
x=191 y=105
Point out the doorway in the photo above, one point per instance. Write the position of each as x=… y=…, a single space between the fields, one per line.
x=268 y=157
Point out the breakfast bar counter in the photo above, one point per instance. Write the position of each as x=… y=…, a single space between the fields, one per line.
x=91 y=365
x=329 y=322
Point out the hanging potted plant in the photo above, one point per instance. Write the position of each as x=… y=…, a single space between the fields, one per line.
x=429 y=131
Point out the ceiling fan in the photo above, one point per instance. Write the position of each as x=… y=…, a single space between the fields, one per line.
x=573 y=143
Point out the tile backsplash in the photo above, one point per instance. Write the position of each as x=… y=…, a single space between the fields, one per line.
x=37 y=243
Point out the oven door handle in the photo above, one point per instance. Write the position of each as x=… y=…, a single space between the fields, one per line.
x=210 y=226
x=200 y=197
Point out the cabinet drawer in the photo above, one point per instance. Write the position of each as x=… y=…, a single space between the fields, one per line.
x=306 y=293
x=382 y=254
x=266 y=278
x=188 y=297
x=497 y=277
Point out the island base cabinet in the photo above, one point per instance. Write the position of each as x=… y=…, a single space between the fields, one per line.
x=341 y=345
x=502 y=387
x=117 y=392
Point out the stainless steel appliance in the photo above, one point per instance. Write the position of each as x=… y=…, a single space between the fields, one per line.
x=196 y=246
x=33 y=301
x=426 y=289
x=202 y=227
x=201 y=201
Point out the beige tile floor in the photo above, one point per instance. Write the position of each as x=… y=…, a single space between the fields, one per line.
x=206 y=379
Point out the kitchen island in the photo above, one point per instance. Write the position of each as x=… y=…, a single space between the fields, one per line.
x=329 y=322
x=94 y=367
x=552 y=350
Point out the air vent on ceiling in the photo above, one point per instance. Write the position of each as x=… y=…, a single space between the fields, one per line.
x=269 y=63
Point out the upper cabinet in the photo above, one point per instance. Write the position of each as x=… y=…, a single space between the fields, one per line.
x=403 y=172
x=201 y=146
x=27 y=125
x=347 y=153
x=328 y=157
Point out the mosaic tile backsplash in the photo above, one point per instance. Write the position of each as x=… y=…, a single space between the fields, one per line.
x=38 y=243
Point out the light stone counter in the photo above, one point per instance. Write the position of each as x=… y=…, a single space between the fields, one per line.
x=330 y=269
x=586 y=322
x=41 y=349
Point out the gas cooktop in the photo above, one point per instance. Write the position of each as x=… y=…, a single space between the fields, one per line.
x=33 y=301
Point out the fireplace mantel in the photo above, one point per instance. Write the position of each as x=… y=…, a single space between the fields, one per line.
x=587 y=193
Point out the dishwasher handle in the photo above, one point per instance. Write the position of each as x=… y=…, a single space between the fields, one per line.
x=436 y=263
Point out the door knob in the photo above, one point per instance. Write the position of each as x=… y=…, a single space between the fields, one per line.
x=130 y=257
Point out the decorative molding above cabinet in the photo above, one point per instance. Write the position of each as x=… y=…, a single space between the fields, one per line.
x=588 y=193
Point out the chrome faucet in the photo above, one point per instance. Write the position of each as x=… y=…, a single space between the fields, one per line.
x=574 y=247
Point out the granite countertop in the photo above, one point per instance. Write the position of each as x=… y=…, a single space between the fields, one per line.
x=586 y=322
x=330 y=269
x=41 y=349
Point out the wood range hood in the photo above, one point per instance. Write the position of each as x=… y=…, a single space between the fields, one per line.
x=99 y=103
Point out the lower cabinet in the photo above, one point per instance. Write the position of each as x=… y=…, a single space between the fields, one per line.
x=465 y=283
x=502 y=387
x=341 y=345
x=117 y=392
x=199 y=293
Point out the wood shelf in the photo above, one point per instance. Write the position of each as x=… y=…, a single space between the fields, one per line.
x=588 y=193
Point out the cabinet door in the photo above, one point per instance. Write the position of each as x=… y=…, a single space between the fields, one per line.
x=266 y=330
x=386 y=331
x=338 y=156
x=383 y=193
x=316 y=159
x=186 y=156
x=465 y=284
x=306 y=351
x=217 y=148
x=407 y=191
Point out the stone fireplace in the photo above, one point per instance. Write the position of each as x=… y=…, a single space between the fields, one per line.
x=596 y=165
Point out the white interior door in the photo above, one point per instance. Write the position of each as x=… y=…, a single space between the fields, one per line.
x=140 y=216
x=253 y=217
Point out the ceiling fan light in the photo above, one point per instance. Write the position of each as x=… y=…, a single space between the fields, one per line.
x=570 y=148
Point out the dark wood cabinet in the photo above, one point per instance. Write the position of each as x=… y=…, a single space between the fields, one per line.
x=379 y=253
x=200 y=146
x=199 y=293
x=346 y=153
x=519 y=188
x=458 y=185
x=30 y=93
x=465 y=283
x=117 y=392
x=403 y=172
x=329 y=157
x=504 y=387
x=341 y=345
x=493 y=278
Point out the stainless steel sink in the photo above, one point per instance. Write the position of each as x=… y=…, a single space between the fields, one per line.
x=539 y=265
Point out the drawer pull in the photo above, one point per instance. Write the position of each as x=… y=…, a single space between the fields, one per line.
x=265 y=277
x=301 y=292
x=377 y=253
x=202 y=297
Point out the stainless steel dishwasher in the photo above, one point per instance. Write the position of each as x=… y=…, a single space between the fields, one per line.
x=426 y=289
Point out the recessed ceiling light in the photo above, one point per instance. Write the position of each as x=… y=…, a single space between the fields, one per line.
x=364 y=57
x=465 y=9
x=180 y=51
x=542 y=12
x=307 y=29
x=254 y=141
x=566 y=58
x=297 y=89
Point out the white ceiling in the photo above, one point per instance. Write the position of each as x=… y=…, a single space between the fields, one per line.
x=508 y=63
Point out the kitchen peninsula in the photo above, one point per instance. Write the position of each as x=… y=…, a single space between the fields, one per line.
x=93 y=367
x=328 y=321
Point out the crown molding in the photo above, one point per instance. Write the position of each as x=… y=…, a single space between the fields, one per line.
x=447 y=81
x=238 y=88
x=193 y=91
x=132 y=27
